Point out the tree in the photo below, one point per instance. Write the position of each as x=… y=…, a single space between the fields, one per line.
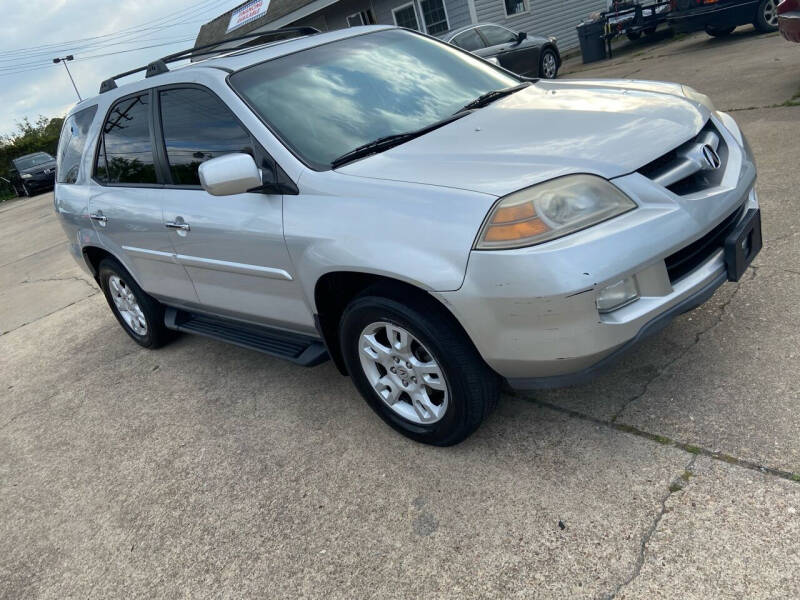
x=40 y=135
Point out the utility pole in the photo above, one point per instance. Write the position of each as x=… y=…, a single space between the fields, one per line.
x=64 y=60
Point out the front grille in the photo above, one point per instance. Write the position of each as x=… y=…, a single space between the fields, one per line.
x=688 y=258
x=685 y=169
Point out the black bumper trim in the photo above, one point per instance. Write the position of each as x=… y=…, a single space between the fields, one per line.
x=650 y=328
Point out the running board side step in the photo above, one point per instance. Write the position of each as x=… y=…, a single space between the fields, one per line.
x=297 y=348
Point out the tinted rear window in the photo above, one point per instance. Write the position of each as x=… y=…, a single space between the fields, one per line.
x=126 y=150
x=469 y=40
x=72 y=143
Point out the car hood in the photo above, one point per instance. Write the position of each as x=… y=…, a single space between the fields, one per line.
x=605 y=127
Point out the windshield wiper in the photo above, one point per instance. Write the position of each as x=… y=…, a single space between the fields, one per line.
x=491 y=96
x=390 y=141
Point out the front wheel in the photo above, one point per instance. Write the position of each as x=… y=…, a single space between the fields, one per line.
x=416 y=368
x=767 y=16
x=548 y=64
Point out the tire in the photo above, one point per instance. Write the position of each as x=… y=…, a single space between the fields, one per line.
x=548 y=64
x=719 y=32
x=767 y=16
x=634 y=35
x=113 y=275
x=471 y=388
x=650 y=31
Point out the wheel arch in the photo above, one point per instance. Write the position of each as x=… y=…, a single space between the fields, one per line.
x=551 y=46
x=334 y=290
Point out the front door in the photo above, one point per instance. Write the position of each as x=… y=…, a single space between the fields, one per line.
x=125 y=202
x=231 y=246
x=516 y=56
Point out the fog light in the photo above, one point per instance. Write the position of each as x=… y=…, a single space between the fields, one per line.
x=617 y=295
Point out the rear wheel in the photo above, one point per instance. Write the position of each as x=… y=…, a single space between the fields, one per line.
x=416 y=368
x=767 y=16
x=719 y=31
x=548 y=64
x=141 y=316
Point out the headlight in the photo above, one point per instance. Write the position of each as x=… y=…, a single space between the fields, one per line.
x=551 y=210
x=26 y=175
x=693 y=94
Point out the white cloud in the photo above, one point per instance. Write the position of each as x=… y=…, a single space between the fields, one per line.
x=33 y=23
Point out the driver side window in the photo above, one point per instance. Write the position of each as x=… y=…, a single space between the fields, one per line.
x=197 y=127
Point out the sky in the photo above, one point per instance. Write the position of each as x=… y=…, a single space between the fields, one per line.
x=33 y=32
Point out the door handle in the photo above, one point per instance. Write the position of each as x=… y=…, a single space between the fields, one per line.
x=180 y=225
x=99 y=217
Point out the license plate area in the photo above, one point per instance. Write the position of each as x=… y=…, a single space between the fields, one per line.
x=742 y=245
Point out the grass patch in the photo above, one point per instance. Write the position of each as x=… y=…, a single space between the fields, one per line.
x=675 y=487
x=692 y=449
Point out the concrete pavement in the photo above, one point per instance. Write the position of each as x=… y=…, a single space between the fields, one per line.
x=206 y=470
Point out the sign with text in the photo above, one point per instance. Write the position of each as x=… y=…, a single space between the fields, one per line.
x=247 y=13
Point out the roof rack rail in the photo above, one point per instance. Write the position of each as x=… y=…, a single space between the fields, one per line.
x=157 y=67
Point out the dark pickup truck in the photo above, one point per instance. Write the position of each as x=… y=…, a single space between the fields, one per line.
x=720 y=17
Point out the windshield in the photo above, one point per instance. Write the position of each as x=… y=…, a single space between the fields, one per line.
x=330 y=99
x=26 y=162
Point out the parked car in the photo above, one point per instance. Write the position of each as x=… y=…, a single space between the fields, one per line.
x=789 y=19
x=528 y=55
x=720 y=17
x=431 y=222
x=33 y=173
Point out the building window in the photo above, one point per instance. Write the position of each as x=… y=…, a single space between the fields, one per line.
x=361 y=18
x=406 y=16
x=514 y=7
x=434 y=16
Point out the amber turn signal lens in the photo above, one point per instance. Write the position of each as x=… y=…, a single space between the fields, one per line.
x=518 y=212
x=515 y=231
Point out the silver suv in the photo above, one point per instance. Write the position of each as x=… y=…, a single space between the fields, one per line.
x=432 y=223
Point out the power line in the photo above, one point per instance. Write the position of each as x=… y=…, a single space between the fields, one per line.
x=93 y=56
x=205 y=6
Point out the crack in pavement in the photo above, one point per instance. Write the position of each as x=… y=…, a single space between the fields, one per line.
x=674 y=488
x=666 y=441
x=698 y=336
x=70 y=278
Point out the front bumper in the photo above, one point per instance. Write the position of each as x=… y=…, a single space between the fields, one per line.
x=532 y=312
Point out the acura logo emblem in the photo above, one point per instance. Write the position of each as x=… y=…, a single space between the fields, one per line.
x=711 y=157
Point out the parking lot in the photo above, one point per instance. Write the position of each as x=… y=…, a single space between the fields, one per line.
x=207 y=470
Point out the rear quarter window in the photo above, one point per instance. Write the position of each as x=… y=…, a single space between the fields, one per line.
x=72 y=143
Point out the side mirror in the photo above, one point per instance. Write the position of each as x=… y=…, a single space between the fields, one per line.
x=521 y=37
x=229 y=174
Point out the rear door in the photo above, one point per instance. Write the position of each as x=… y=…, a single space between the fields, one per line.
x=232 y=246
x=522 y=58
x=125 y=201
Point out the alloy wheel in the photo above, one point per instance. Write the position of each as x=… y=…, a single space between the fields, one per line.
x=127 y=305
x=549 y=67
x=770 y=13
x=403 y=373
